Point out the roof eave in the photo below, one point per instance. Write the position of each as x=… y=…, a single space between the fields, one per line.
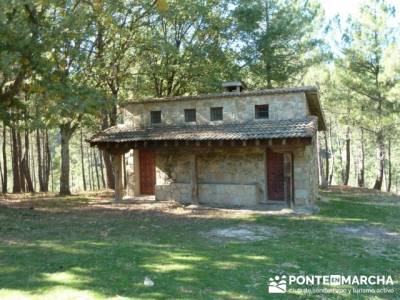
x=315 y=108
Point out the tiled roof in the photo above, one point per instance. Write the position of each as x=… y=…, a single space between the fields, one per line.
x=209 y=132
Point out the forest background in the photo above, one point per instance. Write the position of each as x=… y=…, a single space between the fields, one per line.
x=66 y=66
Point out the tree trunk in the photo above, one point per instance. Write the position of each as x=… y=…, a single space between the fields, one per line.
x=1 y=177
x=326 y=158
x=340 y=156
x=15 y=162
x=103 y=181
x=52 y=177
x=381 y=160
x=96 y=168
x=5 y=175
x=66 y=132
x=107 y=157
x=90 y=174
x=389 y=180
x=333 y=156
x=47 y=155
x=32 y=163
x=361 y=176
x=125 y=174
x=83 y=164
x=347 y=169
x=20 y=162
x=40 y=161
x=25 y=165
x=321 y=178
x=109 y=171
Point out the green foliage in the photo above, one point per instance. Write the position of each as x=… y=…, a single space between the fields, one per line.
x=277 y=39
x=21 y=48
x=70 y=63
x=367 y=66
x=185 y=50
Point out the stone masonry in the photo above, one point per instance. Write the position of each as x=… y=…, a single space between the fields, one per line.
x=226 y=176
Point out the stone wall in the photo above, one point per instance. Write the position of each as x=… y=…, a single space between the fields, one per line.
x=305 y=169
x=217 y=193
x=236 y=109
x=225 y=176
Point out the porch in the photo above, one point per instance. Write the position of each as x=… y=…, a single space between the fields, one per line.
x=244 y=166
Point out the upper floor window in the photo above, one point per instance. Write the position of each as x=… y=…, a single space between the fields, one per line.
x=190 y=115
x=216 y=113
x=261 y=111
x=155 y=117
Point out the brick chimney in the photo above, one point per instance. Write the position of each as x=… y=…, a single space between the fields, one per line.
x=233 y=86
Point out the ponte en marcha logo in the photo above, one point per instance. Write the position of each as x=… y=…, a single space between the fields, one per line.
x=283 y=283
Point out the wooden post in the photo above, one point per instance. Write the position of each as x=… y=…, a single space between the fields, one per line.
x=288 y=178
x=117 y=168
x=193 y=171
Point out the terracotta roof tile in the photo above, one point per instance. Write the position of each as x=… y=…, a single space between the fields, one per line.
x=245 y=131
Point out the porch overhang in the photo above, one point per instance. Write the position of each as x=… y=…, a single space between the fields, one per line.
x=284 y=133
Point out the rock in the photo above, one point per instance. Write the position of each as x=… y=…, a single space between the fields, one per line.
x=323 y=199
x=148 y=282
x=290 y=265
x=242 y=233
x=192 y=206
x=306 y=210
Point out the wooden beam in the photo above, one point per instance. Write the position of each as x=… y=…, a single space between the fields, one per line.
x=276 y=144
x=117 y=169
x=288 y=178
x=193 y=171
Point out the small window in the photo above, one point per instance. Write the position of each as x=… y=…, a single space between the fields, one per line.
x=190 y=115
x=155 y=117
x=261 y=111
x=216 y=113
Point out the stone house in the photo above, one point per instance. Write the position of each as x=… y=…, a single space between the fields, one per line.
x=236 y=148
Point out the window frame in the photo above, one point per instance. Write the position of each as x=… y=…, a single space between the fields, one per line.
x=152 y=118
x=214 y=110
x=259 y=113
x=189 y=112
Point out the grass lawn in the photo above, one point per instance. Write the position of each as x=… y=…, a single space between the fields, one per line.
x=84 y=247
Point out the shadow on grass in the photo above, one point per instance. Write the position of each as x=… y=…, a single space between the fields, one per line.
x=108 y=252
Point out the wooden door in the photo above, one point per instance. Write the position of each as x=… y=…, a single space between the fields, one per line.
x=147 y=172
x=275 y=176
x=288 y=178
